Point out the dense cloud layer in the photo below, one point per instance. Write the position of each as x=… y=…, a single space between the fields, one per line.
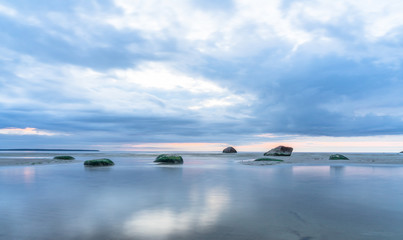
x=104 y=73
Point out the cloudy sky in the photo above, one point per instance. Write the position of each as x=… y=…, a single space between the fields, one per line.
x=318 y=75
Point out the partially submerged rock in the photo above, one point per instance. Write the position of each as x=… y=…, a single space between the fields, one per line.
x=99 y=162
x=229 y=150
x=279 y=151
x=262 y=162
x=64 y=158
x=338 y=157
x=169 y=159
x=268 y=159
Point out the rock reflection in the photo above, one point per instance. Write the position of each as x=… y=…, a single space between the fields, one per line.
x=203 y=212
x=337 y=171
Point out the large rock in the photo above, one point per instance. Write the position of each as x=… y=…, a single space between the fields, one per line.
x=279 y=151
x=338 y=157
x=99 y=162
x=169 y=159
x=229 y=150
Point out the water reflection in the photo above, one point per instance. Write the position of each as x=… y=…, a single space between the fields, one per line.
x=337 y=171
x=98 y=169
x=204 y=211
x=319 y=171
x=18 y=175
x=217 y=200
x=29 y=175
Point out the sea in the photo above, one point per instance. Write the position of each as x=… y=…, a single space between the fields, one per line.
x=211 y=196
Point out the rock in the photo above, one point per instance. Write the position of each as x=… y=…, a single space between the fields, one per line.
x=99 y=162
x=268 y=159
x=169 y=159
x=64 y=158
x=229 y=150
x=279 y=151
x=338 y=157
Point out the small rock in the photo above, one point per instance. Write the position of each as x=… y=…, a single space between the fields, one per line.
x=229 y=150
x=338 y=157
x=169 y=159
x=279 y=151
x=64 y=158
x=99 y=162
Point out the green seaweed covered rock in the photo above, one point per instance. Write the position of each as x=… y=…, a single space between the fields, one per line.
x=169 y=159
x=64 y=158
x=268 y=159
x=338 y=157
x=99 y=162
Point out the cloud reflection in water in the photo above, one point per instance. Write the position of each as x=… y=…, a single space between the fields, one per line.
x=203 y=212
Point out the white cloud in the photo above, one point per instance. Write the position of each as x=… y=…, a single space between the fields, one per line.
x=159 y=76
x=221 y=102
x=380 y=17
x=151 y=88
x=250 y=27
x=4 y=10
x=244 y=30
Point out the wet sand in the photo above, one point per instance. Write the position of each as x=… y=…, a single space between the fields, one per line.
x=31 y=161
x=26 y=159
x=323 y=158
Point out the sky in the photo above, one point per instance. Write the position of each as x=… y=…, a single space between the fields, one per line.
x=200 y=75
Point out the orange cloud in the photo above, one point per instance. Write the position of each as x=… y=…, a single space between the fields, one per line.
x=27 y=131
x=333 y=144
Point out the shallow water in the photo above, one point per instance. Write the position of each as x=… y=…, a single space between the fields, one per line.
x=211 y=196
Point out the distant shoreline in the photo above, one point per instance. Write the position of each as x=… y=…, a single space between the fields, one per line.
x=48 y=150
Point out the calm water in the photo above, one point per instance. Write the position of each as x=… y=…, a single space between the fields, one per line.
x=211 y=196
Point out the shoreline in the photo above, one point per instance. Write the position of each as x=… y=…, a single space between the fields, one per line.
x=323 y=158
x=318 y=163
x=5 y=162
x=44 y=150
x=316 y=158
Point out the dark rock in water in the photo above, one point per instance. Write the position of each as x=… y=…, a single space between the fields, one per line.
x=169 y=159
x=279 y=151
x=338 y=157
x=99 y=162
x=64 y=158
x=229 y=150
x=268 y=159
